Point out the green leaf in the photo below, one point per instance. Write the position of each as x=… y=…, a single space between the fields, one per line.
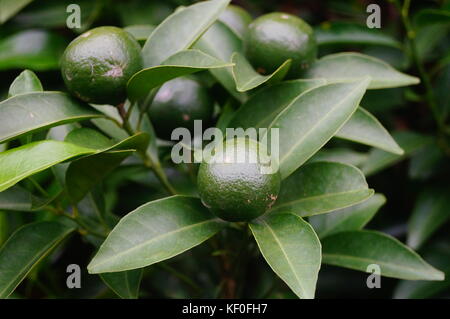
x=31 y=112
x=88 y=137
x=410 y=142
x=361 y=248
x=352 y=66
x=439 y=256
x=221 y=42
x=291 y=248
x=21 y=162
x=364 y=128
x=340 y=155
x=322 y=187
x=339 y=32
x=312 y=119
x=34 y=49
x=26 y=82
x=4 y=227
x=266 y=104
x=8 y=8
x=154 y=232
x=426 y=17
x=180 y=30
x=24 y=249
x=83 y=174
x=430 y=212
x=125 y=283
x=140 y=32
x=180 y=64
x=19 y=199
x=247 y=78
x=427 y=162
x=354 y=217
x=237 y=19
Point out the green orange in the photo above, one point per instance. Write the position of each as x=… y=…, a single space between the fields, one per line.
x=177 y=104
x=239 y=187
x=97 y=65
x=275 y=37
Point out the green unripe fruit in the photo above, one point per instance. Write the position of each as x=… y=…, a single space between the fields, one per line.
x=177 y=104
x=236 y=189
x=275 y=37
x=97 y=65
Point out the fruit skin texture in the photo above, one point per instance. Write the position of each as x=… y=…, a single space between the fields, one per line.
x=177 y=104
x=236 y=18
x=275 y=37
x=97 y=65
x=237 y=191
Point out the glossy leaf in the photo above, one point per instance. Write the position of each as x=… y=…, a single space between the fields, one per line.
x=237 y=19
x=31 y=112
x=312 y=119
x=34 y=49
x=338 y=33
x=221 y=42
x=360 y=248
x=266 y=104
x=438 y=255
x=88 y=137
x=182 y=63
x=354 y=217
x=24 y=249
x=26 y=82
x=21 y=162
x=364 y=128
x=322 y=187
x=83 y=174
x=140 y=32
x=8 y=8
x=431 y=210
x=410 y=142
x=154 y=232
x=350 y=66
x=291 y=248
x=125 y=283
x=247 y=78
x=19 y=199
x=340 y=155
x=177 y=32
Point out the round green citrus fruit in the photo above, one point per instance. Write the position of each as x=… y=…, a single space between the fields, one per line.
x=236 y=18
x=177 y=104
x=236 y=186
x=97 y=65
x=275 y=37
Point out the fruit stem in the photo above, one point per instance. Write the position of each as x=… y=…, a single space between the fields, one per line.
x=159 y=174
x=148 y=162
x=124 y=115
x=411 y=35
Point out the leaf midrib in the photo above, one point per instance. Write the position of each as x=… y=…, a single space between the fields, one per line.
x=285 y=256
x=372 y=261
x=318 y=123
x=158 y=237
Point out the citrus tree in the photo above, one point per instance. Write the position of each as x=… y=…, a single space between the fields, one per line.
x=101 y=168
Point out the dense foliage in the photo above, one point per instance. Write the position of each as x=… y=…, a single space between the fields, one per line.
x=362 y=117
